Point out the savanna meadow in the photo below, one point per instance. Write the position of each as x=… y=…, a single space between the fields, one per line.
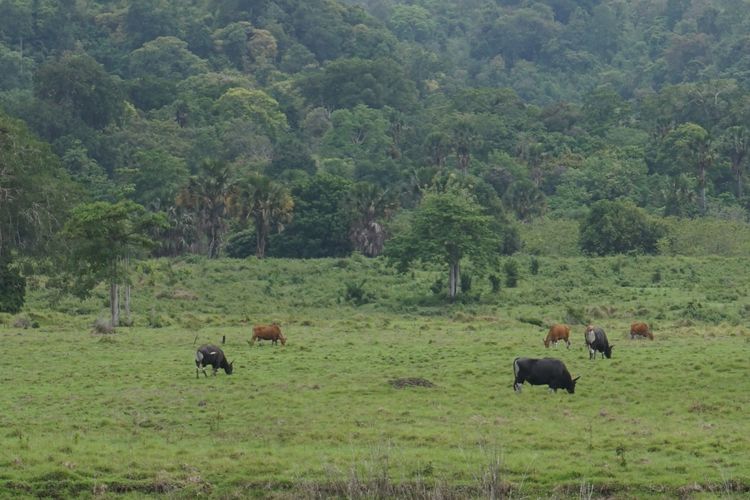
x=382 y=389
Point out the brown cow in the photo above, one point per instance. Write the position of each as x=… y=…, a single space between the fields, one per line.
x=557 y=333
x=268 y=332
x=640 y=329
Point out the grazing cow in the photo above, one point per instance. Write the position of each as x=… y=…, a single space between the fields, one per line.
x=268 y=332
x=211 y=355
x=548 y=371
x=557 y=333
x=640 y=329
x=596 y=340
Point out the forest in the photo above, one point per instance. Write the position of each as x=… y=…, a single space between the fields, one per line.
x=318 y=128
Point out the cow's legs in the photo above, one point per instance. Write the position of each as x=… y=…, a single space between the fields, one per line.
x=518 y=385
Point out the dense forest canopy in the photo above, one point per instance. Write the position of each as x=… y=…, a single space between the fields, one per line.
x=301 y=128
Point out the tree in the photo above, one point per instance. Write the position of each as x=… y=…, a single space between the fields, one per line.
x=735 y=142
x=82 y=87
x=369 y=205
x=321 y=220
x=446 y=228
x=614 y=227
x=691 y=145
x=102 y=239
x=268 y=204
x=35 y=191
x=207 y=195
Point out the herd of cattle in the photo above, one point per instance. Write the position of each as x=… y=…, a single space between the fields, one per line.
x=552 y=372
x=212 y=355
x=546 y=371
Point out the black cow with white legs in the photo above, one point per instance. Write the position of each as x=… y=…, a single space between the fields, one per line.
x=596 y=341
x=211 y=355
x=549 y=371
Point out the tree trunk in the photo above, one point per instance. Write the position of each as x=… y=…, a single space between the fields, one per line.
x=128 y=321
x=114 y=304
x=702 y=189
x=454 y=280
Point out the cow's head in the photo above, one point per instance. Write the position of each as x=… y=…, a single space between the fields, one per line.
x=572 y=387
x=608 y=351
x=230 y=368
x=282 y=339
x=546 y=342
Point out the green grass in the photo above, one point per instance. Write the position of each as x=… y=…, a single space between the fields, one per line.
x=87 y=414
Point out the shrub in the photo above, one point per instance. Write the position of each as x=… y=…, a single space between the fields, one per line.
x=511 y=273
x=495 y=283
x=356 y=294
x=614 y=227
x=465 y=282
x=12 y=289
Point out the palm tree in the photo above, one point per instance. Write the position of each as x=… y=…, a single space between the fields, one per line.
x=368 y=203
x=268 y=204
x=736 y=143
x=207 y=195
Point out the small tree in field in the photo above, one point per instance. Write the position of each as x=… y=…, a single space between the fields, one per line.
x=446 y=228
x=619 y=227
x=102 y=238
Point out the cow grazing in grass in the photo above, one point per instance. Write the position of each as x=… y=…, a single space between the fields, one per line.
x=640 y=329
x=211 y=355
x=548 y=371
x=557 y=333
x=596 y=340
x=268 y=332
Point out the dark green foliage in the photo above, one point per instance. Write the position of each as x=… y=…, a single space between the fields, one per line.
x=240 y=244
x=465 y=282
x=356 y=294
x=511 y=273
x=614 y=227
x=12 y=288
x=534 y=266
x=495 y=282
x=320 y=222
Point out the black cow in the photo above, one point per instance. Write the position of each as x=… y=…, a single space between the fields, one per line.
x=211 y=355
x=596 y=340
x=548 y=371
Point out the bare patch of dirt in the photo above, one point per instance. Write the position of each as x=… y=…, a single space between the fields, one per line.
x=400 y=383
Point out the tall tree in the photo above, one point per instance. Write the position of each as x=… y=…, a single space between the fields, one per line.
x=369 y=205
x=267 y=203
x=446 y=228
x=103 y=238
x=691 y=145
x=735 y=142
x=207 y=195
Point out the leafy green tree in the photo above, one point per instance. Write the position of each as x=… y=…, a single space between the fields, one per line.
x=158 y=178
x=252 y=106
x=446 y=228
x=614 y=227
x=267 y=203
x=735 y=143
x=525 y=200
x=12 y=287
x=82 y=87
x=691 y=146
x=165 y=57
x=320 y=227
x=207 y=196
x=35 y=191
x=102 y=240
x=369 y=206
x=345 y=83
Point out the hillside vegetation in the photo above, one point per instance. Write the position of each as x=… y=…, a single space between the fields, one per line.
x=89 y=414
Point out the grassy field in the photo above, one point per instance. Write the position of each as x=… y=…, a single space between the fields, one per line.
x=98 y=415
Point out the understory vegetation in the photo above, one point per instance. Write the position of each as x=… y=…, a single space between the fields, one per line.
x=397 y=395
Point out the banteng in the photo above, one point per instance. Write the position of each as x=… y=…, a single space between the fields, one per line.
x=211 y=355
x=548 y=371
x=557 y=333
x=596 y=340
x=268 y=332
x=640 y=329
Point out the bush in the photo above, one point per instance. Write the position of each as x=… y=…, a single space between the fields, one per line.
x=615 y=227
x=356 y=294
x=465 y=282
x=511 y=273
x=12 y=289
x=241 y=244
x=102 y=326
